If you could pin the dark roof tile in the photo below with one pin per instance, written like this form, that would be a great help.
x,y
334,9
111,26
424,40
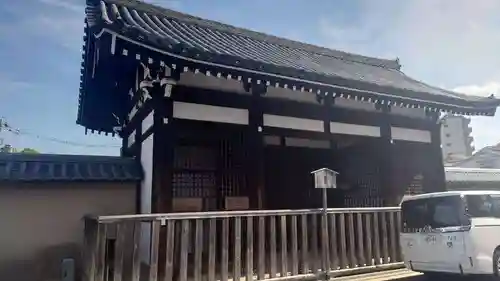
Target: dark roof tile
x,y
213,38
488,158
51,167
195,31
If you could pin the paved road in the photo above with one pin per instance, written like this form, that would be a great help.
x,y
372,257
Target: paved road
x,y
402,275
399,274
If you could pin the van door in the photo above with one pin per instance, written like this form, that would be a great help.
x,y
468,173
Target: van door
x,y
437,242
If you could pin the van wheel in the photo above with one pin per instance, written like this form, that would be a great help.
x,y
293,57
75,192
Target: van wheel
x,y
496,263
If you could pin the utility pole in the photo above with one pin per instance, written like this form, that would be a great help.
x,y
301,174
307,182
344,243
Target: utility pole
x,y
2,124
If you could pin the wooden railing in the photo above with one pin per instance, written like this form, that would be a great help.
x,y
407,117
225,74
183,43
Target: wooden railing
x,y
249,245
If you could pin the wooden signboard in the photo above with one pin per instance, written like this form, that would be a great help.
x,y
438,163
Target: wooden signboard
x,y
237,203
187,204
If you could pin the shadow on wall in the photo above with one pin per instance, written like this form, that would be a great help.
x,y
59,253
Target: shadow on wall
x,y
44,266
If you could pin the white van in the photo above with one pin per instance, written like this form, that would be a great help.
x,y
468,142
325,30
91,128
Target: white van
x,y
452,232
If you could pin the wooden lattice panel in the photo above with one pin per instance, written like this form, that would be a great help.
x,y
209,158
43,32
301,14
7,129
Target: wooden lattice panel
x,y
209,168
416,185
362,178
193,184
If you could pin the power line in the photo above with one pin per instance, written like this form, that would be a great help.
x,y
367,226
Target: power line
x,y
5,126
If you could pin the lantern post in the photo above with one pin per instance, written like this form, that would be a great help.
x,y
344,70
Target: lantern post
x,y
324,179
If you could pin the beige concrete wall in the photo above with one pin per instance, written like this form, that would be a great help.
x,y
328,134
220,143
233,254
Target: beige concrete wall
x,y
41,223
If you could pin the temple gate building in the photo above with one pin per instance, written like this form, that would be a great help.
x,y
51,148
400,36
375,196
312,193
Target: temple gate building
x,y
224,118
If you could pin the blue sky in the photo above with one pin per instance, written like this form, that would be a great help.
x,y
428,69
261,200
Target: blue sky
x,y
449,43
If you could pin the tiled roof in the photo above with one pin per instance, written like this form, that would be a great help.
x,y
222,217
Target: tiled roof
x,y
488,157
216,37
51,167
215,42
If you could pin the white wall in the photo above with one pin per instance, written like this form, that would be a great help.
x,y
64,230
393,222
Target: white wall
x,y
146,192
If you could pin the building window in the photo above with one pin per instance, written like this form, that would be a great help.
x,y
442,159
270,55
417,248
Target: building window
x,y
447,135
448,144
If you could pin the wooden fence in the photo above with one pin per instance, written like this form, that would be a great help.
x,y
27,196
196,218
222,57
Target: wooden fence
x,y
249,245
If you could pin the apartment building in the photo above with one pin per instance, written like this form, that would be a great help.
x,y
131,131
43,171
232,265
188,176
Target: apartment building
x,y
456,138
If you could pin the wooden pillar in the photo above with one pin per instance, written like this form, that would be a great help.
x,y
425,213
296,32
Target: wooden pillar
x,y
434,177
152,129
164,144
328,102
385,156
255,174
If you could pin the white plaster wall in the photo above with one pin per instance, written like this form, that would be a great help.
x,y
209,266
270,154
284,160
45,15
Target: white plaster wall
x,y
406,134
147,166
148,122
131,139
288,122
354,129
146,193
203,112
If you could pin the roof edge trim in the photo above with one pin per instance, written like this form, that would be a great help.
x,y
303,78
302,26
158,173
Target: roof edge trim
x,y
489,110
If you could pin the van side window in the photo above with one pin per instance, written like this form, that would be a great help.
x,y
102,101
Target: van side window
x,y
483,206
495,204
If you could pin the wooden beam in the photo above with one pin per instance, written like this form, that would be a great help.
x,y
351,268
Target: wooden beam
x,y
255,174
385,155
434,177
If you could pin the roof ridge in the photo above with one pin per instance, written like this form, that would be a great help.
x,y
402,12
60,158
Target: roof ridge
x,y
256,35
47,157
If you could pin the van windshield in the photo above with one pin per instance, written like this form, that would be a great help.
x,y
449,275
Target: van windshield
x,y
435,212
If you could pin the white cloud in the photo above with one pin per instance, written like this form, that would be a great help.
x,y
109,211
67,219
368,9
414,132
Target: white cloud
x,y
480,90
61,22
10,86
75,6
448,43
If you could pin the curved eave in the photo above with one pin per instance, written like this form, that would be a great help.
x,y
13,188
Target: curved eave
x,y
395,96
83,67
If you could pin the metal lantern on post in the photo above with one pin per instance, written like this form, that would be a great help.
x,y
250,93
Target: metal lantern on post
x,y
325,178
